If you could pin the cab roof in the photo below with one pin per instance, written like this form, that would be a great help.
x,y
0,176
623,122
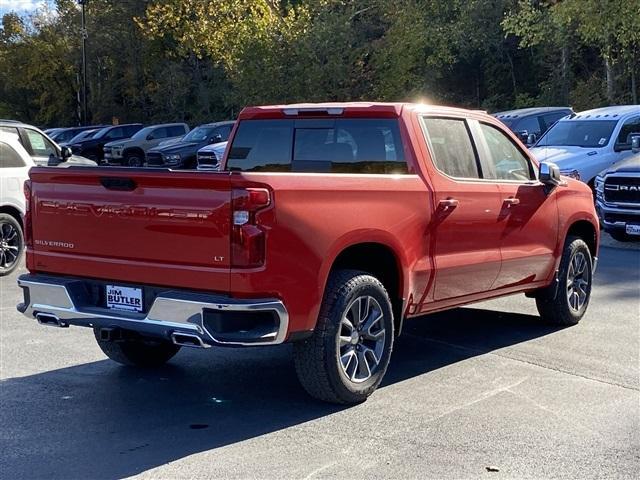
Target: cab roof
x,y
525,112
606,113
345,109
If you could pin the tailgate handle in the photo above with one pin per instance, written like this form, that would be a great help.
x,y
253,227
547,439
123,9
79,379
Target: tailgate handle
x,y
118,183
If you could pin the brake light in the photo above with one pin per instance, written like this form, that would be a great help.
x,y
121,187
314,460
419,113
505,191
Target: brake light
x,y
28,230
247,237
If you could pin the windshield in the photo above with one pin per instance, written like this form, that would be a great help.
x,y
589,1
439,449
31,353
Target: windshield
x,y
198,134
578,133
101,133
508,121
142,134
84,135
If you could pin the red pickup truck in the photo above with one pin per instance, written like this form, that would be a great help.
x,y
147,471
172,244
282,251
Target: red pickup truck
x,y
331,224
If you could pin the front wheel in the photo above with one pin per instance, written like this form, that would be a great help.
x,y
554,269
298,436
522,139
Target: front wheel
x,y
567,304
347,356
138,352
135,161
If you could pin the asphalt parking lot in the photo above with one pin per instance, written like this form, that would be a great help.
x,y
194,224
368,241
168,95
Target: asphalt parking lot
x,y
477,387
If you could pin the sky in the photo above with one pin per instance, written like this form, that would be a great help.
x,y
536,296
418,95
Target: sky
x,y
21,6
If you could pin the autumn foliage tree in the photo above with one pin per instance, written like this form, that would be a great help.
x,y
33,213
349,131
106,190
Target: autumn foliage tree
x,y
203,60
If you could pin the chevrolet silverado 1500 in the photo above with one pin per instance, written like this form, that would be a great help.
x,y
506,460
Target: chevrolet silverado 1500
x,y
331,225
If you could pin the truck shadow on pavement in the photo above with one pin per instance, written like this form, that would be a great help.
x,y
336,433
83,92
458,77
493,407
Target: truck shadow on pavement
x,y
100,420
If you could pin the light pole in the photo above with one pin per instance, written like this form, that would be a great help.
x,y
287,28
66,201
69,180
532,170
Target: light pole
x,y
83,29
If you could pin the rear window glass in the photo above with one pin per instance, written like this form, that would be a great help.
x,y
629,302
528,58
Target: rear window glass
x,y
321,146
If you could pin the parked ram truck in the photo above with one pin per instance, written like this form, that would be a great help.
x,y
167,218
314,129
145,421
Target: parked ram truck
x,y
331,225
618,199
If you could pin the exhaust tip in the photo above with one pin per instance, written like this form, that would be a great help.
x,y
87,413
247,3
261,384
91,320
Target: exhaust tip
x,y
50,319
188,340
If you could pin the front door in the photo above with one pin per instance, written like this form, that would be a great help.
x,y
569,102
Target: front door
x,y
464,233
39,147
528,214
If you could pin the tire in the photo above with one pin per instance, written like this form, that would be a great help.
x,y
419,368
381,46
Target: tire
x,y
567,304
11,244
332,365
135,160
140,352
620,236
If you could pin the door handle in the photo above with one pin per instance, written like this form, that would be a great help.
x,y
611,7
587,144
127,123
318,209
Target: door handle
x,y
511,201
448,203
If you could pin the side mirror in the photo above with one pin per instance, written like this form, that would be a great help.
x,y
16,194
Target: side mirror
x,y
531,139
635,144
216,139
151,136
549,174
65,152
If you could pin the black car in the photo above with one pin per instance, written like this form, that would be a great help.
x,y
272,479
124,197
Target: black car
x,y
182,154
92,148
63,135
530,123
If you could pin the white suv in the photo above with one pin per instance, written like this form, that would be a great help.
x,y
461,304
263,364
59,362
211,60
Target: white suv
x,y
15,163
591,141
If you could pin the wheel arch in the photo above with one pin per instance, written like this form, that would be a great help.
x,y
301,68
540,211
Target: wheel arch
x,y
586,230
14,212
133,150
380,260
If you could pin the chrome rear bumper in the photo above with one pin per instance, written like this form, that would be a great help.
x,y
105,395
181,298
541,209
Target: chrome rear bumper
x,y
65,301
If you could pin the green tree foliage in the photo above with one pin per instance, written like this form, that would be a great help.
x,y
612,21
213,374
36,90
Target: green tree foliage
x,y
203,60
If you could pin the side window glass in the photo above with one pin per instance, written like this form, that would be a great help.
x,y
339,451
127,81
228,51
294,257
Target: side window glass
x,y
131,130
451,147
9,158
552,118
115,133
630,128
40,145
529,125
160,133
176,131
505,161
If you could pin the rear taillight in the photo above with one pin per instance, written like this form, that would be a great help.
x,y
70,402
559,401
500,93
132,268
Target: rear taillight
x,y
247,238
28,231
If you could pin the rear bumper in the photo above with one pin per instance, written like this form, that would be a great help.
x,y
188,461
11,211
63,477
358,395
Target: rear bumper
x,y
63,301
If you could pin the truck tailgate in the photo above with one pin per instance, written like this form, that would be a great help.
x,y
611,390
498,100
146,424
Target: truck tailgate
x,y
150,227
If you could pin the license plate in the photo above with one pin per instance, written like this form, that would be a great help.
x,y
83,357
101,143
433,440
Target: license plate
x,y
633,229
124,298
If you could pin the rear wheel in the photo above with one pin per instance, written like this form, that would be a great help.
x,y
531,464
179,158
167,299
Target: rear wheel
x,y
347,356
138,352
567,304
11,244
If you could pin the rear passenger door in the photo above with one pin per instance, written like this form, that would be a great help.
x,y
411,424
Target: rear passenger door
x,y
13,173
528,226
465,231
